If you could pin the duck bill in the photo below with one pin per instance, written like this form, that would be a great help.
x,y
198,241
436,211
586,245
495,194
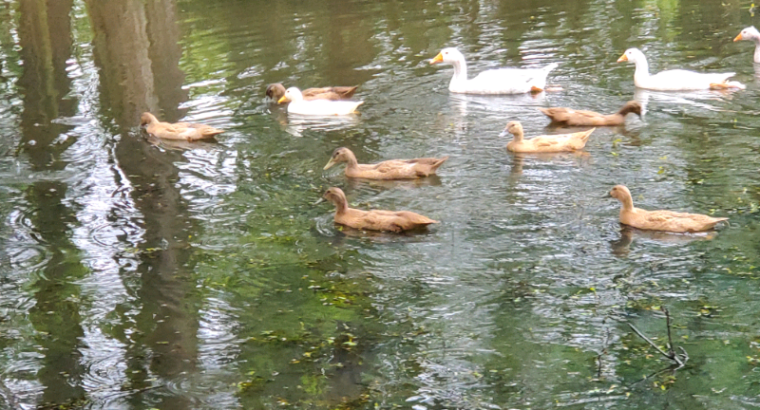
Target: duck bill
x,y
319,201
738,38
622,58
503,133
437,59
283,99
329,164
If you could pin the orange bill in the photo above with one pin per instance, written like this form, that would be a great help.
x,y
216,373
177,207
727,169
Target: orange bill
x,y
622,58
739,37
437,59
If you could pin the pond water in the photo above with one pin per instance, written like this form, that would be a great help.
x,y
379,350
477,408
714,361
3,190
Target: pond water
x,y
141,274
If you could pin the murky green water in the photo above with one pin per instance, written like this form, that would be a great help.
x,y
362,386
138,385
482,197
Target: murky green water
x,y
137,274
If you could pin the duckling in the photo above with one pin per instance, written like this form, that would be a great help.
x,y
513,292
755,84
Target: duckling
x,y
179,131
390,221
570,117
276,91
392,169
660,220
545,143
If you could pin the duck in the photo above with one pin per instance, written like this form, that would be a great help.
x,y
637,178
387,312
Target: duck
x,y
545,143
499,81
375,220
316,107
392,169
751,34
675,80
570,117
178,131
667,221
276,91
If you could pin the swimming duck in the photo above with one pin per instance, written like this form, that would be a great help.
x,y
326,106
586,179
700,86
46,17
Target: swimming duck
x,y
391,221
316,107
392,169
499,81
276,91
751,34
179,131
660,220
567,116
545,143
675,80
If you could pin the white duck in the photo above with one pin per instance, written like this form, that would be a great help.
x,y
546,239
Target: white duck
x,y
499,81
675,80
750,33
316,107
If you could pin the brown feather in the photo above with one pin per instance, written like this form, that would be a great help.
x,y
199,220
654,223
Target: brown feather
x,y
392,169
178,131
570,117
377,220
660,220
276,91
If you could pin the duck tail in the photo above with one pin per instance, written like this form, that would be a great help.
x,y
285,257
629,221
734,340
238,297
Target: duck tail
x,y
585,136
345,92
551,67
210,131
438,163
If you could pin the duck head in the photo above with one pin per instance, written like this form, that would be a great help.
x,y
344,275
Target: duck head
x,y
749,33
337,197
275,91
340,155
631,107
147,118
292,94
622,194
448,55
633,55
514,128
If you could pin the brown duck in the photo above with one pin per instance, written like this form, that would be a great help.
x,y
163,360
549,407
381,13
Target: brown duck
x,y
390,221
179,131
276,91
545,143
392,169
660,220
568,116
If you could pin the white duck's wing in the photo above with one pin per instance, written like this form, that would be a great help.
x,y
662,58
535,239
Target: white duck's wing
x,y
509,80
323,107
683,80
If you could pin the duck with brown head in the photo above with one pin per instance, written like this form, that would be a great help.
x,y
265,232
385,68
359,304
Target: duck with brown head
x,y
376,220
660,220
570,117
276,91
391,169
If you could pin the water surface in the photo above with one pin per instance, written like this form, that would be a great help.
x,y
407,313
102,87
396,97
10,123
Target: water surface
x,y
142,274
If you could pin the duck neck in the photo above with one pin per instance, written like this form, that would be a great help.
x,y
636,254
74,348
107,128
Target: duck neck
x,y
341,206
518,136
460,73
757,50
642,69
351,160
627,203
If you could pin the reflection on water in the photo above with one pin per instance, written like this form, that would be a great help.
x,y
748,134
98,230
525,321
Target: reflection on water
x,y
141,273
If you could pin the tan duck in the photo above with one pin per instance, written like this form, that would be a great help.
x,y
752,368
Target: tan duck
x,y
545,143
568,116
392,169
179,131
660,220
390,221
276,91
